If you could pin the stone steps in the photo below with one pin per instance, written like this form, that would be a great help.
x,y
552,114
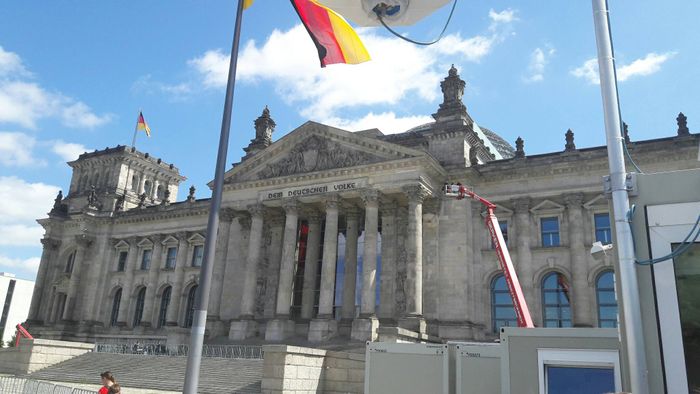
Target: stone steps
x,y
217,375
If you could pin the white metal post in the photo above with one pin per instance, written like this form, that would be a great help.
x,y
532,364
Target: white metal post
x,y
631,316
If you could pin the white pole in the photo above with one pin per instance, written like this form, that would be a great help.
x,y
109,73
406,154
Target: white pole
x,y
631,317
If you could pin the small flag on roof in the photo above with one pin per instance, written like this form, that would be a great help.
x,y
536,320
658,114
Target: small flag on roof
x,y
142,125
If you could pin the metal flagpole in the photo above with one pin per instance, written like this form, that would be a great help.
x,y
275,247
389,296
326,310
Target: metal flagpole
x,y
136,130
631,316
194,357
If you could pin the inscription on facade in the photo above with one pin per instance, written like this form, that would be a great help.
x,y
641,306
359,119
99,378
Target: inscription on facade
x,y
313,189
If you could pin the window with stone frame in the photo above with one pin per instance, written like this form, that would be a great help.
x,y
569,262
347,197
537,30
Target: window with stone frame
x,y
502,307
160,192
148,188
503,225
135,183
69,263
171,258
164,304
138,310
603,231
197,255
606,300
116,300
549,229
556,303
189,312
146,259
121,261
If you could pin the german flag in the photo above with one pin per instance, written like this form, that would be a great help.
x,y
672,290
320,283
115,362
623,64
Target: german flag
x,y
335,40
142,125
247,3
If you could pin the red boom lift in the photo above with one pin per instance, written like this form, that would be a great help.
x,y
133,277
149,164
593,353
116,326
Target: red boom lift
x,y
516,292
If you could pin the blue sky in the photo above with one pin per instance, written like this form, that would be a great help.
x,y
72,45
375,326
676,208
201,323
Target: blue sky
x,y
73,75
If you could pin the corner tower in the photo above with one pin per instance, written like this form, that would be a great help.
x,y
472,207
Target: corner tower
x,y
119,178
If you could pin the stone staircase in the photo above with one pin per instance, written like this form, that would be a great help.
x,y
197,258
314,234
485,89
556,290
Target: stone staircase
x,y
217,375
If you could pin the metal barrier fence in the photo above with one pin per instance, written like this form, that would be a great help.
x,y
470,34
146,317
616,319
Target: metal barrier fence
x,y
13,385
219,351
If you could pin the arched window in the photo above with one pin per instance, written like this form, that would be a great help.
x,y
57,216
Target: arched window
x,y
555,300
135,183
83,183
164,303
115,308
607,304
502,309
96,180
69,263
189,314
160,192
147,188
140,301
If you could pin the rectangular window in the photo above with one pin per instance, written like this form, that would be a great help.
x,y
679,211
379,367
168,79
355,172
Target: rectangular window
x,y
581,371
603,232
550,232
121,264
146,259
171,258
197,256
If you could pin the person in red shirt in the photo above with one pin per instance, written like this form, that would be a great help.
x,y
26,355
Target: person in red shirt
x,y
107,382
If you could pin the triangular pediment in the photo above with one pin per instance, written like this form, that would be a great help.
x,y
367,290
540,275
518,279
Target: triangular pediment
x,y
598,202
315,147
547,206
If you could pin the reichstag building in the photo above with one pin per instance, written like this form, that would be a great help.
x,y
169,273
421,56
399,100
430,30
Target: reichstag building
x,y
327,234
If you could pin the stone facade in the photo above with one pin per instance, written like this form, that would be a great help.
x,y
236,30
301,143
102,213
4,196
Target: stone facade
x,y
327,234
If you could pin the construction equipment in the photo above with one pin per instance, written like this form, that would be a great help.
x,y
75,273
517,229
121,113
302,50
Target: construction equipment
x,y
522,312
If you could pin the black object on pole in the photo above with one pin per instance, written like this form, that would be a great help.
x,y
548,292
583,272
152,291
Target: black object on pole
x,y
194,357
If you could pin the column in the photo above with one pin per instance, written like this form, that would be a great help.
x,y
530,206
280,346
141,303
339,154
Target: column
x,y
369,259
579,264
92,292
47,255
157,258
387,296
222,248
313,244
523,265
413,318
352,230
69,312
289,245
245,326
282,327
172,317
325,327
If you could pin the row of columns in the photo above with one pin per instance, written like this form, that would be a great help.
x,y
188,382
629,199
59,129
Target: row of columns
x,y
324,325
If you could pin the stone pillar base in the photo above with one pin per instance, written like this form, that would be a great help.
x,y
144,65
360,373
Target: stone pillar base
x,y
243,329
413,323
364,329
279,329
322,329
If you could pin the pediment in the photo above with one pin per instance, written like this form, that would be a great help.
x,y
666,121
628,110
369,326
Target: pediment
x,y
597,202
170,240
315,147
196,238
145,243
122,245
547,206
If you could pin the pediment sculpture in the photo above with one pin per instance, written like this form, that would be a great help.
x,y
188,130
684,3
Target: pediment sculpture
x,y
316,154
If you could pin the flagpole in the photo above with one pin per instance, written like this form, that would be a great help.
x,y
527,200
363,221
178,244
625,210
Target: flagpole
x,y
136,130
194,357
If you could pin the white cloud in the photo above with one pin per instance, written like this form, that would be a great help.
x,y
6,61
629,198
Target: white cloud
x,y
176,92
538,61
8,264
505,16
648,65
386,122
68,151
22,204
23,102
16,150
398,70
11,64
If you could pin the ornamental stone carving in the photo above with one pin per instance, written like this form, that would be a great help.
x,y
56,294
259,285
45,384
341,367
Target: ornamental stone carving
x,y
370,196
521,205
332,201
50,243
416,192
256,209
573,200
316,154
